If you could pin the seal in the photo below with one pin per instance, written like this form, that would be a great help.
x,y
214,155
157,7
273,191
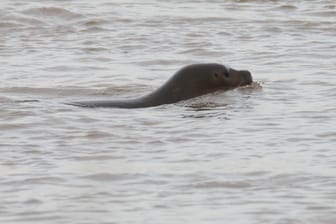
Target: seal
x,y
189,82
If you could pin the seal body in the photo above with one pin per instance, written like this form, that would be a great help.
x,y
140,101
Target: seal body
x,y
189,82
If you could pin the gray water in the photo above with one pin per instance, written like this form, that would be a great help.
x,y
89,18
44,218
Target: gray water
x,y
260,154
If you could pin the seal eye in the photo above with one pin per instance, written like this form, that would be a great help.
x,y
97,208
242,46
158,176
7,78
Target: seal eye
x,y
216,75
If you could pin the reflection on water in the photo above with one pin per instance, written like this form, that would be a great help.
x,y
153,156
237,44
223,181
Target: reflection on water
x,y
258,154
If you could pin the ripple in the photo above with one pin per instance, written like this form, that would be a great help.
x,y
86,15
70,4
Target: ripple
x,y
94,29
17,21
9,25
43,180
288,7
54,12
97,157
65,91
228,184
107,177
95,22
33,201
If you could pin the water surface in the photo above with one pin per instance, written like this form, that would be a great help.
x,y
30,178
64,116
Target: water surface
x,y
260,154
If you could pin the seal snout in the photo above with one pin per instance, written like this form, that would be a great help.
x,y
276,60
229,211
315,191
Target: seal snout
x,y
242,77
247,77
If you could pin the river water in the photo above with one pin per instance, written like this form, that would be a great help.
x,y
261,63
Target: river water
x,y
260,154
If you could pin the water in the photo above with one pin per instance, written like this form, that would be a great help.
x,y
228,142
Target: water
x,y
261,154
